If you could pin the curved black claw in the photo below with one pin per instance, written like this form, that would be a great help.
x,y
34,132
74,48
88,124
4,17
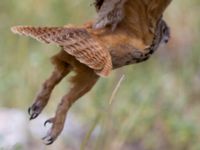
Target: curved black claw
x,y
50,121
35,110
48,140
33,116
29,110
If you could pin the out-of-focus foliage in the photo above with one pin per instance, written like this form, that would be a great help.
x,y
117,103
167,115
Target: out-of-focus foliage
x,y
158,104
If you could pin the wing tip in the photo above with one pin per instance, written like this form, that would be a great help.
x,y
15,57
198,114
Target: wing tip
x,y
18,29
14,29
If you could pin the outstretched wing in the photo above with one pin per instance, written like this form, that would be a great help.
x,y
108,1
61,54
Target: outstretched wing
x,y
75,41
110,12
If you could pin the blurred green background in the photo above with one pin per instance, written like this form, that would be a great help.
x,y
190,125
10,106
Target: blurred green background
x,y
157,106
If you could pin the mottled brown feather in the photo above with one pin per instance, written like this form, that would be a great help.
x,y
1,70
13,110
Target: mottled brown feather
x,y
76,42
110,12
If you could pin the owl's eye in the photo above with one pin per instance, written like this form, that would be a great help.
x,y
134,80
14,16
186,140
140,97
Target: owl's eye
x,y
164,30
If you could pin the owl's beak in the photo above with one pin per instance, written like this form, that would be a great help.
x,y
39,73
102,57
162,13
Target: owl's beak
x,y
166,41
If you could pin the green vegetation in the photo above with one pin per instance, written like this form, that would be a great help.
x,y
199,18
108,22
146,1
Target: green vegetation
x,y
157,106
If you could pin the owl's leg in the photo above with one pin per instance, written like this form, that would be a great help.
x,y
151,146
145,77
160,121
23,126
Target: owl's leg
x,y
82,83
60,71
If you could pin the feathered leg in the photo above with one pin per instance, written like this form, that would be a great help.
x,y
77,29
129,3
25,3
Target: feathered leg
x,y
60,71
82,82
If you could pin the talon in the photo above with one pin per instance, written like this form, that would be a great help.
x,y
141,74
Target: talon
x,y
48,140
48,121
54,130
33,116
29,110
35,110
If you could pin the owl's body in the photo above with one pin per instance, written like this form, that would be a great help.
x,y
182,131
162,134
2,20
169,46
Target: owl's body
x,y
125,32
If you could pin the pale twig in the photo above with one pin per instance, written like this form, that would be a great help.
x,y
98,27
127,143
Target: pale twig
x,y
116,89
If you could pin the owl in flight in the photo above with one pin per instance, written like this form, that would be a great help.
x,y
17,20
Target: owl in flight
x,y
125,32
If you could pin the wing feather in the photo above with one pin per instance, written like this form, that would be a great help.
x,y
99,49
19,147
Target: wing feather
x,y
98,4
110,12
75,41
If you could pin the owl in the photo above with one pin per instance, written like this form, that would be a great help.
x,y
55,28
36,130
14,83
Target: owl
x,y
124,32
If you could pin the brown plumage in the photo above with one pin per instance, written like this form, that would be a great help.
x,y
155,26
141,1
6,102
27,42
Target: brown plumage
x,y
76,42
110,12
125,32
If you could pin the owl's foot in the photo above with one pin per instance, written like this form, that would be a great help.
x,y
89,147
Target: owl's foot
x,y
42,98
36,108
55,130
83,81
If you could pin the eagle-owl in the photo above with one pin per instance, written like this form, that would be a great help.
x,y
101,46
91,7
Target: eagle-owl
x,y
125,32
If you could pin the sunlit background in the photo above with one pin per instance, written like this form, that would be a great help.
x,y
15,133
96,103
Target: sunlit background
x,y
157,106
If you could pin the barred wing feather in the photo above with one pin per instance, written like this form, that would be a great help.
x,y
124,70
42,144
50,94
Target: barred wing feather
x,y
75,41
